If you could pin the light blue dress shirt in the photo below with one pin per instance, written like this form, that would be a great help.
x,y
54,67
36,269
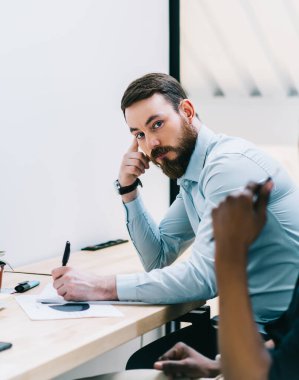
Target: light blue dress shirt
x,y
219,166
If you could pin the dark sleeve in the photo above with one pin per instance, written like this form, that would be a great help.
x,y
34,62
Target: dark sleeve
x,y
285,359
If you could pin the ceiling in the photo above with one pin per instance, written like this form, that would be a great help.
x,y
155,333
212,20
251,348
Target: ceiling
x,y
240,48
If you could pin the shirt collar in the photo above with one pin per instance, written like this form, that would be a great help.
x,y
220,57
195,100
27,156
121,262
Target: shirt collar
x,y
198,157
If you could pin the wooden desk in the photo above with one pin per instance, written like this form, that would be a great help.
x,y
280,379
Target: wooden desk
x,y
117,259
45,349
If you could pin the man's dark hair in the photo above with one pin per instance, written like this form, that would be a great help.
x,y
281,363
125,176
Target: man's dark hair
x,y
150,84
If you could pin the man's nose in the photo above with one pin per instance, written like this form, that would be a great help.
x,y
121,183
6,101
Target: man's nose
x,y
152,142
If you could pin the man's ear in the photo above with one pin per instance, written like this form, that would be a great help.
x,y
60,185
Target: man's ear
x,y
187,108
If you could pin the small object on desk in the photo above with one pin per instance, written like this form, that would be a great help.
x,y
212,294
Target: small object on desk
x,y
5,346
26,285
66,254
107,244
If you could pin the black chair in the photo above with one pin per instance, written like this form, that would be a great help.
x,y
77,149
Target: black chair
x,y
200,334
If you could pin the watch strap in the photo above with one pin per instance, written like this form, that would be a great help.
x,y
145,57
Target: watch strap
x,y
127,189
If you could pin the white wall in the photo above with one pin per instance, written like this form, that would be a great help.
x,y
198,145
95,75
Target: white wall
x,y
64,65
262,121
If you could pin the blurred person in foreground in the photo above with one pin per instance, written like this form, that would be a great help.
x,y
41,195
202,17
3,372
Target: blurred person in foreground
x,y
237,222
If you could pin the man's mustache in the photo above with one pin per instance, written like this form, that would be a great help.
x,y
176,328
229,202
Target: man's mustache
x,y
156,152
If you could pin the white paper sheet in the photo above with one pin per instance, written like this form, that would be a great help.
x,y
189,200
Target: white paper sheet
x,y
38,311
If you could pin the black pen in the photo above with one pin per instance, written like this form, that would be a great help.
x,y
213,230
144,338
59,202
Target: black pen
x,y
66,254
26,285
259,188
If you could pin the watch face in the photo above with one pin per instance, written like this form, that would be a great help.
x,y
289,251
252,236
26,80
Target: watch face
x,y
117,186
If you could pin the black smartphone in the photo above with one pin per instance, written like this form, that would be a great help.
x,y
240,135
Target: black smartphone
x,y
4,346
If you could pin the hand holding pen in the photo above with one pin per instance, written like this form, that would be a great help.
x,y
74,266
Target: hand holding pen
x,y
255,189
239,218
65,259
74,285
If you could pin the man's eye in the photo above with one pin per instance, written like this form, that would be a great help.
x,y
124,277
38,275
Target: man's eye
x,y
158,124
139,136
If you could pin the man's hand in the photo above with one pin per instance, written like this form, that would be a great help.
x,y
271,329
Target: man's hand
x,y
238,220
73,285
134,164
182,360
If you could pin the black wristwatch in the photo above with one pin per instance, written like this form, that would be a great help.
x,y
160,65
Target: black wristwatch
x,y
126,189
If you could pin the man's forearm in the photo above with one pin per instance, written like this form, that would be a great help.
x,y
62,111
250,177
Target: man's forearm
x,y
126,198
243,355
183,282
144,233
155,250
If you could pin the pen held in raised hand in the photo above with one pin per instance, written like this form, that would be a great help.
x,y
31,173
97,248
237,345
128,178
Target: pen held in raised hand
x,y
256,190
66,254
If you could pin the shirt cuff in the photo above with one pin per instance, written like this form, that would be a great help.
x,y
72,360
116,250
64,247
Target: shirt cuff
x,y
126,285
134,208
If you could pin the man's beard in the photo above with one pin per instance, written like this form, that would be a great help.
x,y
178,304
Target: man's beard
x,y
177,167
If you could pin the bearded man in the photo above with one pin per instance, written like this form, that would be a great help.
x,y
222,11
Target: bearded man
x,y
167,131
